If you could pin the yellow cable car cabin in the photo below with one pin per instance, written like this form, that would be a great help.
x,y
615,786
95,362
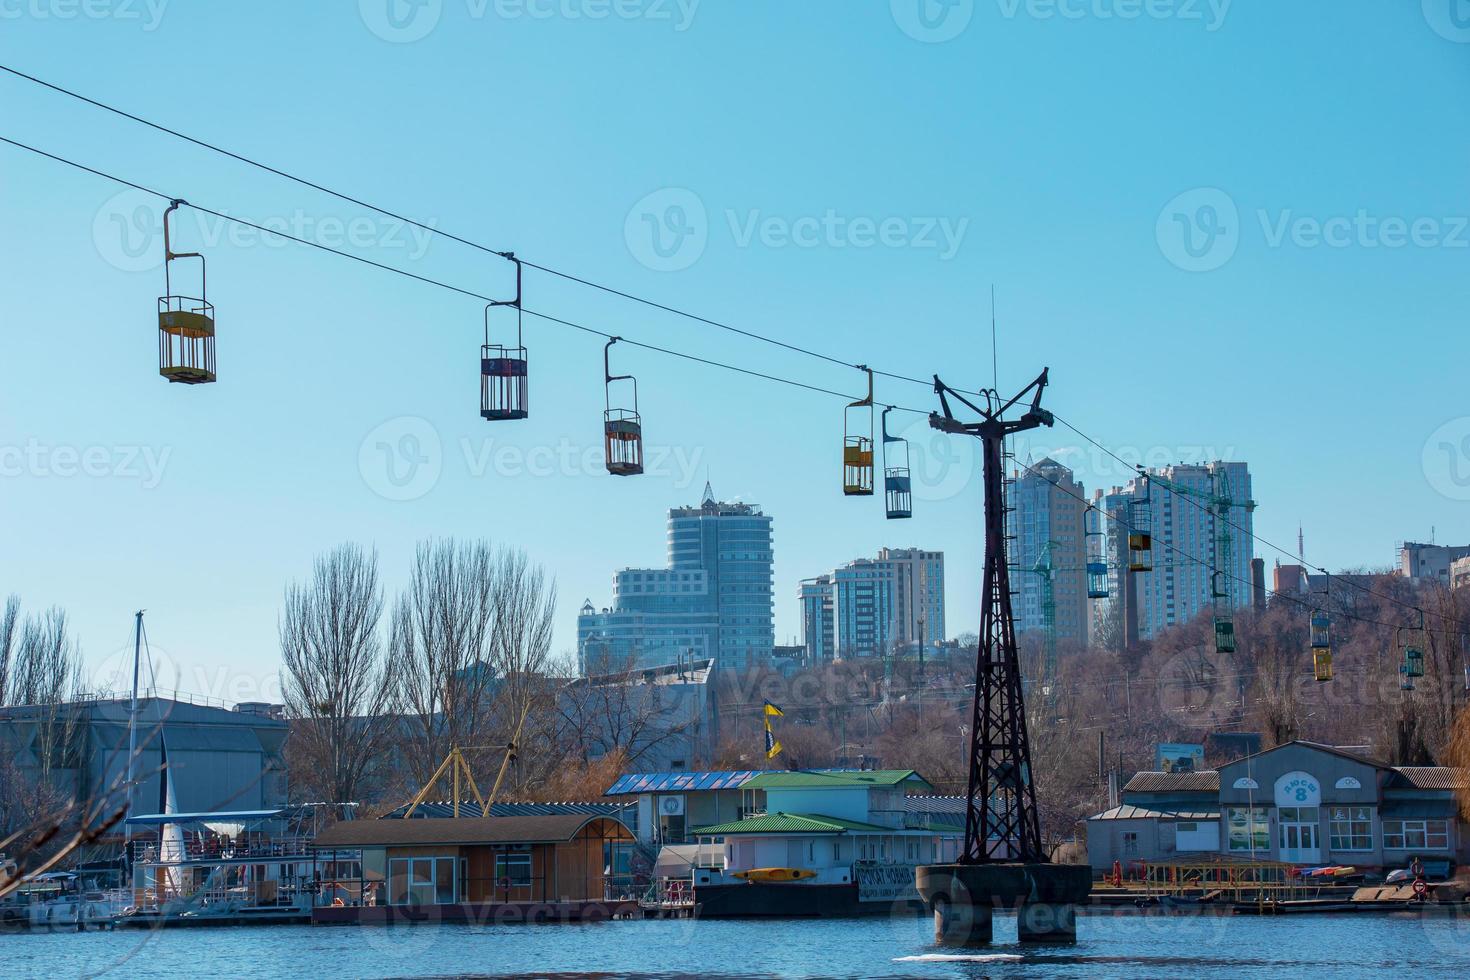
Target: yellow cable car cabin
x,y
1320,632
857,445
1322,664
185,323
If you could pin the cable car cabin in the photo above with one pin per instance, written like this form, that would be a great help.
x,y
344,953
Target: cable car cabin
x,y
1224,636
623,442
1413,662
857,445
503,372
898,497
1406,680
1097,580
186,340
502,383
857,466
1321,626
1140,535
622,428
1322,664
185,323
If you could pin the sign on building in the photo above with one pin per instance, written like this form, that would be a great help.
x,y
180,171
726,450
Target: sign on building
x,y
885,882
1179,757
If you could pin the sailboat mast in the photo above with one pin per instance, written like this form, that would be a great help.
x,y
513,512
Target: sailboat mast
x,y
133,709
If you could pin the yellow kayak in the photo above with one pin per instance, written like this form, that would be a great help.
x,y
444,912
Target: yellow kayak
x,y
775,874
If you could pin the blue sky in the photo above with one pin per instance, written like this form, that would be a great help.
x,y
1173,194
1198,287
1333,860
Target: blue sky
x,y
1232,229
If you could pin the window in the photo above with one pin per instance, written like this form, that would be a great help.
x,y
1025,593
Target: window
x,y
1186,828
1350,828
1248,829
1130,842
514,869
421,881
1405,835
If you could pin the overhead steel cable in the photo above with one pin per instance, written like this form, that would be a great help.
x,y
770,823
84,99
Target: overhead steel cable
x,y
582,327
429,280
1194,559
1251,533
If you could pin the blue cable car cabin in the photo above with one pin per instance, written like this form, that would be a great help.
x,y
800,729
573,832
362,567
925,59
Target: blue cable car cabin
x,y
1097,580
898,497
185,323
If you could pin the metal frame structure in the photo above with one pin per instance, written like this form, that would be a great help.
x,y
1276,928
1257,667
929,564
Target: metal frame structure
x,y
622,428
503,369
898,487
1001,821
185,323
857,448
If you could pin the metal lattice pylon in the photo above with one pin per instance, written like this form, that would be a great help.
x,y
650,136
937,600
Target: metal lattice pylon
x,y
1001,822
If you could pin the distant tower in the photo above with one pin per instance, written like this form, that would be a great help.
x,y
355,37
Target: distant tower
x,y
1301,546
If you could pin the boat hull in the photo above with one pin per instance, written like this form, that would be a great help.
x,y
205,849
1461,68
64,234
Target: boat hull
x,y
763,900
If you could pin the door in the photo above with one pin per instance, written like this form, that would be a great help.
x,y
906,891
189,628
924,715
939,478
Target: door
x,y
1299,835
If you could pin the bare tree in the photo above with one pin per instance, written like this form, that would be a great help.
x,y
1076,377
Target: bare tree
x,y
338,682
614,710
523,697
441,633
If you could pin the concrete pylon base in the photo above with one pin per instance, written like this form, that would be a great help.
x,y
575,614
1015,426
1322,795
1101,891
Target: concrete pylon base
x,y
962,924
964,897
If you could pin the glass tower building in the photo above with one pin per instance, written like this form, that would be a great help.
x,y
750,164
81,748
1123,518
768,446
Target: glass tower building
x,y
714,600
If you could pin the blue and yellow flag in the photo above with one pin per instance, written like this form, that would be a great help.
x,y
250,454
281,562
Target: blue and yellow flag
x,y
773,747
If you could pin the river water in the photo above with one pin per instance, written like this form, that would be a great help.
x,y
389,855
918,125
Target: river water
x,y
1124,946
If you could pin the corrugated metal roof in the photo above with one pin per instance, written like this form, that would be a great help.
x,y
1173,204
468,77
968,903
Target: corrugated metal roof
x,y
1202,781
1127,812
936,804
1435,777
851,779
444,809
481,830
788,823
679,782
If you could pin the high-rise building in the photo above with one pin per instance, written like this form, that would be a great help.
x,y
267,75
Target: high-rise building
x,y
714,600
1201,520
818,622
1047,549
872,607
